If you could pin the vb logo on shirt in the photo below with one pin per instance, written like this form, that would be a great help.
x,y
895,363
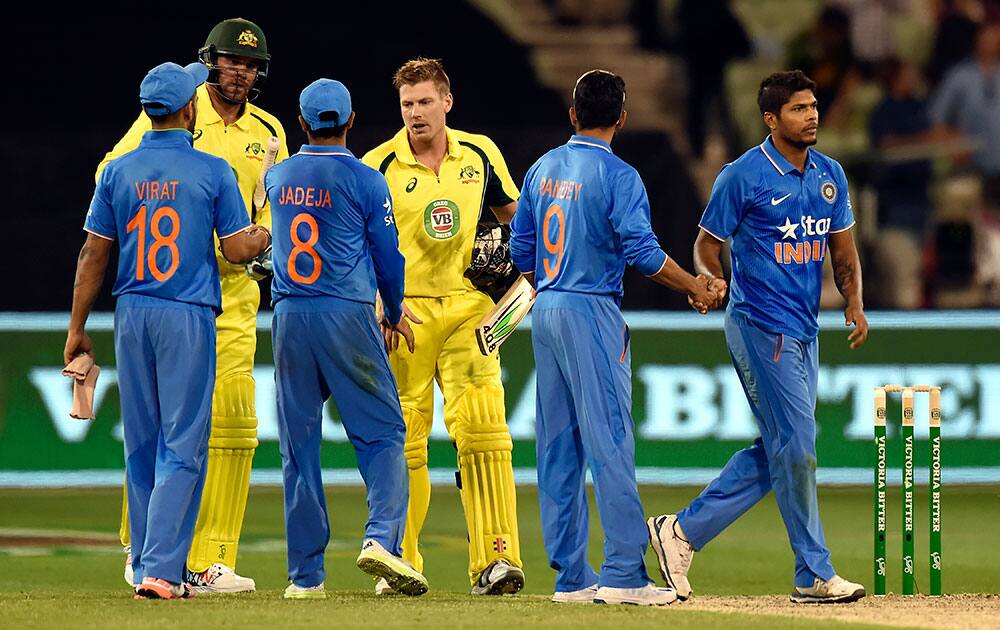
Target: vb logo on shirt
x,y
441,219
791,250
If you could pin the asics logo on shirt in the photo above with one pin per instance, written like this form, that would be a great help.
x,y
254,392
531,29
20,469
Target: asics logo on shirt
x,y
776,200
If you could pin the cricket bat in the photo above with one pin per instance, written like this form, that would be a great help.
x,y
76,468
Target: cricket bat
x,y
260,194
505,316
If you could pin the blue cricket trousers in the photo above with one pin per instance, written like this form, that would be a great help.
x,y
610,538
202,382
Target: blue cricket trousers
x,y
327,347
165,354
584,420
779,376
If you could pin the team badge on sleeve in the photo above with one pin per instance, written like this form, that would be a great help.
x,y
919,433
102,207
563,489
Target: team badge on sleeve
x,y
829,192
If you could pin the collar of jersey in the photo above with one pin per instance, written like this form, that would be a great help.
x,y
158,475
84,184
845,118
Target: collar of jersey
x,y
168,137
590,142
401,145
778,160
321,149
207,114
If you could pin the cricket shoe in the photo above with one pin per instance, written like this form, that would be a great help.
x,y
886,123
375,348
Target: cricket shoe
x,y
219,578
397,572
499,578
128,566
582,596
305,592
649,595
155,588
836,590
673,552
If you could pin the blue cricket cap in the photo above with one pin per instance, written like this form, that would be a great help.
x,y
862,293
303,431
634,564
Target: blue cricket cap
x,y
325,103
168,87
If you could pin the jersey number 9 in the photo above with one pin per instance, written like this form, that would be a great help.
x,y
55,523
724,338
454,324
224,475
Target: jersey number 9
x,y
169,241
554,248
304,247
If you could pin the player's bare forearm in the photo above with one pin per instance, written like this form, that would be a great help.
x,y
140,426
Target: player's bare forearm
x,y
530,277
847,275
244,246
505,214
846,266
708,255
90,268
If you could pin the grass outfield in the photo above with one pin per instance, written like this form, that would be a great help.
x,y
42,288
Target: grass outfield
x,y
59,566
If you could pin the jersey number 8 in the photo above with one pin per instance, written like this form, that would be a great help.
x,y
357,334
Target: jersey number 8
x,y
304,247
169,241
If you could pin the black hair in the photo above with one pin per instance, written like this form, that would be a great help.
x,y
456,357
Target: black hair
x,y
777,89
599,98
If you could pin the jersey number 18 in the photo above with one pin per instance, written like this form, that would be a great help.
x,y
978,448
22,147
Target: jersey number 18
x,y
138,223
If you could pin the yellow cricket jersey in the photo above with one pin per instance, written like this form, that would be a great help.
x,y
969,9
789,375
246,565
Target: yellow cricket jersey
x,y
437,214
242,144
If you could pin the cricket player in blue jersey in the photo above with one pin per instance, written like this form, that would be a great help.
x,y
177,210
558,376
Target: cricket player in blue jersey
x,y
162,202
335,244
781,206
583,214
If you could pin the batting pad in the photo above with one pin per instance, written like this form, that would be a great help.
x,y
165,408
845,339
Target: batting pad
x,y
418,428
486,477
230,453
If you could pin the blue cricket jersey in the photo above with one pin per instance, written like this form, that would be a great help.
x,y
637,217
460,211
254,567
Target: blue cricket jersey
x,y
161,202
583,213
334,231
778,220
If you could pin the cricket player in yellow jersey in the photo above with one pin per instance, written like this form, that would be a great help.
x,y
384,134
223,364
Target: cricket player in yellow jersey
x,y
441,181
229,126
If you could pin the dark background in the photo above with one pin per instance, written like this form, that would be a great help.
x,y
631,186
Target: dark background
x,y
72,92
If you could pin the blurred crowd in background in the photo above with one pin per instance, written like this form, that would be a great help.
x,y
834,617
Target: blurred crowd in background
x,y
909,96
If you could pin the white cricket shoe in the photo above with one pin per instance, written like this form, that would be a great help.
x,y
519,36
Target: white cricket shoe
x,y
305,592
836,590
673,552
398,574
382,588
499,578
219,578
582,596
128,566
648,595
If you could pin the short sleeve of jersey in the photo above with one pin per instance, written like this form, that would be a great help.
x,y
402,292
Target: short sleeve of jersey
x,y
230,212
500,188
101,216
727,204
842,217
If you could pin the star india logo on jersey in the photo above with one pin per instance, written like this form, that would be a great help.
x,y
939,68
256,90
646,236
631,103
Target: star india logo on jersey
x,y
441,219
792,250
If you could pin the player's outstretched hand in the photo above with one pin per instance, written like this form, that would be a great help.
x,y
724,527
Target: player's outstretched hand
x,y
855,314
77,343
392,332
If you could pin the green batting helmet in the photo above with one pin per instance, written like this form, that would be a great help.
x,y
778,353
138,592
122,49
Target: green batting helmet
x,y
240,37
